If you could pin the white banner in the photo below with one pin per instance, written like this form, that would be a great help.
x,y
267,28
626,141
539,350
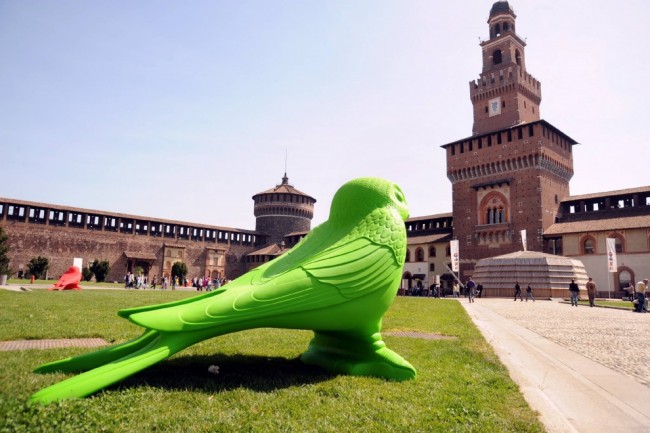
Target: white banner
x,y
78,262
523,239
455,257
611,255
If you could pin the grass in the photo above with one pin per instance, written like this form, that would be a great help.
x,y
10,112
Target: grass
x,y
262,386
106,284
613,303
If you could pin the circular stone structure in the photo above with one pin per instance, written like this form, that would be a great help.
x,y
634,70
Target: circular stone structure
x,y
548,275
282,210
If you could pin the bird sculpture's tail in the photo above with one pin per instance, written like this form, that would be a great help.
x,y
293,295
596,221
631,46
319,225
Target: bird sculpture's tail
x,y
110,365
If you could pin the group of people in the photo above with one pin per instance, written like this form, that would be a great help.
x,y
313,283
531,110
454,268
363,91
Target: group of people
x,y
207,284
529,292
132,281
138,281
637,295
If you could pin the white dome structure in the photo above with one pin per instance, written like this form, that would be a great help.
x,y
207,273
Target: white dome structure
x,y
548,275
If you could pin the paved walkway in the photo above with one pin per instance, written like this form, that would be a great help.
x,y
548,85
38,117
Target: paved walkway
x,y
583,369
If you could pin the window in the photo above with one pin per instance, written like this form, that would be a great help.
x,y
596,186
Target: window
x,y
432,267
624,280
419,255
588,246
408,255
432,252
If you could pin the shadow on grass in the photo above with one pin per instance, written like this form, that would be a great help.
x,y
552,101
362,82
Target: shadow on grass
x,y
256,373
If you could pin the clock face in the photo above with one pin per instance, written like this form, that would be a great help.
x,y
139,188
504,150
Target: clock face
x,y
494,107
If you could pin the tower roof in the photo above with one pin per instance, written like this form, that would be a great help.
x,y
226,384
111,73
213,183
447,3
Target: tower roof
x,y
286,188
501,7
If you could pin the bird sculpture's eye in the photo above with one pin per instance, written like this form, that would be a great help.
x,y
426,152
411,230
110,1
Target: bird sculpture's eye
x,y
399,195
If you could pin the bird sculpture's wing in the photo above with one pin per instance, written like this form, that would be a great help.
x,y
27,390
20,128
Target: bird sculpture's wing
x,y
334,276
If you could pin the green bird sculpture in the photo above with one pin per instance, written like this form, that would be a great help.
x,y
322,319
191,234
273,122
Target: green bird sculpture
x,y
338,281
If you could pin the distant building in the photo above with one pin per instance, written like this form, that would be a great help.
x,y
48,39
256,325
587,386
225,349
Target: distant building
x,y
128,242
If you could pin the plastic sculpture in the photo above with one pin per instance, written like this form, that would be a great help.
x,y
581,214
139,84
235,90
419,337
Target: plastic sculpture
x,y
69,280
338,281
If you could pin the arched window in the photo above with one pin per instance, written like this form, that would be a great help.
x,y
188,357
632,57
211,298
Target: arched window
x,y
432,252
419,255
506,27
493,209
497,57
588,245
624,279
518,57
408,255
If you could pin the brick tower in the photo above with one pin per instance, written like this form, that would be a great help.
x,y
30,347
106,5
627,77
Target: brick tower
x,y
511,174
282,210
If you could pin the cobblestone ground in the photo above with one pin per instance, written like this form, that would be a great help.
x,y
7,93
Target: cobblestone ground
x,y
608,336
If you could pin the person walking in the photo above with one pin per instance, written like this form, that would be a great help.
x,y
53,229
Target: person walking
x,y
591,292
456,290
529,293
575,291
641,288
518,292
471,286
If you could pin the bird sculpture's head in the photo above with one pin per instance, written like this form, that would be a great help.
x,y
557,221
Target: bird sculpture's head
x,y
359,197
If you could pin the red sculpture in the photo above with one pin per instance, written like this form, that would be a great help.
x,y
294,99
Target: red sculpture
x,y
69,280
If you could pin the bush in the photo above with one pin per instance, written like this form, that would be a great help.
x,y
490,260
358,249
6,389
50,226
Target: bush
x,y
179,269
38,267
86,274
100,270
4,249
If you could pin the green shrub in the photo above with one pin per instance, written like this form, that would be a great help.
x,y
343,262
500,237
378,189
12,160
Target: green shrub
x,y
100,269
38,267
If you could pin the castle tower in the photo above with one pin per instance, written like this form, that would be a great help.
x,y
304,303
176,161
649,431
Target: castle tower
x,y
505,94
282,210
512,172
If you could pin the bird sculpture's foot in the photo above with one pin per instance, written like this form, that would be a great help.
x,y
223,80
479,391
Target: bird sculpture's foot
x,y
369,356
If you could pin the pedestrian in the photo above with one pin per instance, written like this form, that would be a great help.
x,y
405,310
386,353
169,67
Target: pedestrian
x,y
529,293
518,292
641,288
471,286
479,289
591,292
575,293
456,290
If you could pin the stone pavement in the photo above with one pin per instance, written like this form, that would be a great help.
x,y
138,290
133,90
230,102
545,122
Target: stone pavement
x,y
583,369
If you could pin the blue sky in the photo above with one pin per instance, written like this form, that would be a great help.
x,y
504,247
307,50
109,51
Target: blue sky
x,y
184,110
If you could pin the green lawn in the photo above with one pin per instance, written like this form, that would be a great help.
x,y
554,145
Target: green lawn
x,y
615,303
261,386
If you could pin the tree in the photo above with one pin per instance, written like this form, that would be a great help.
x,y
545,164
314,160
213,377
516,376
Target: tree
x,y
4,249
100,269
86,274
38,266
179,269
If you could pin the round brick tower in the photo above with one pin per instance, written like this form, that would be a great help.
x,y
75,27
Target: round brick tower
x,y
283,210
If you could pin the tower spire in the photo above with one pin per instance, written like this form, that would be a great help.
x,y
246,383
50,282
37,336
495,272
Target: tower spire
x,y
285,179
